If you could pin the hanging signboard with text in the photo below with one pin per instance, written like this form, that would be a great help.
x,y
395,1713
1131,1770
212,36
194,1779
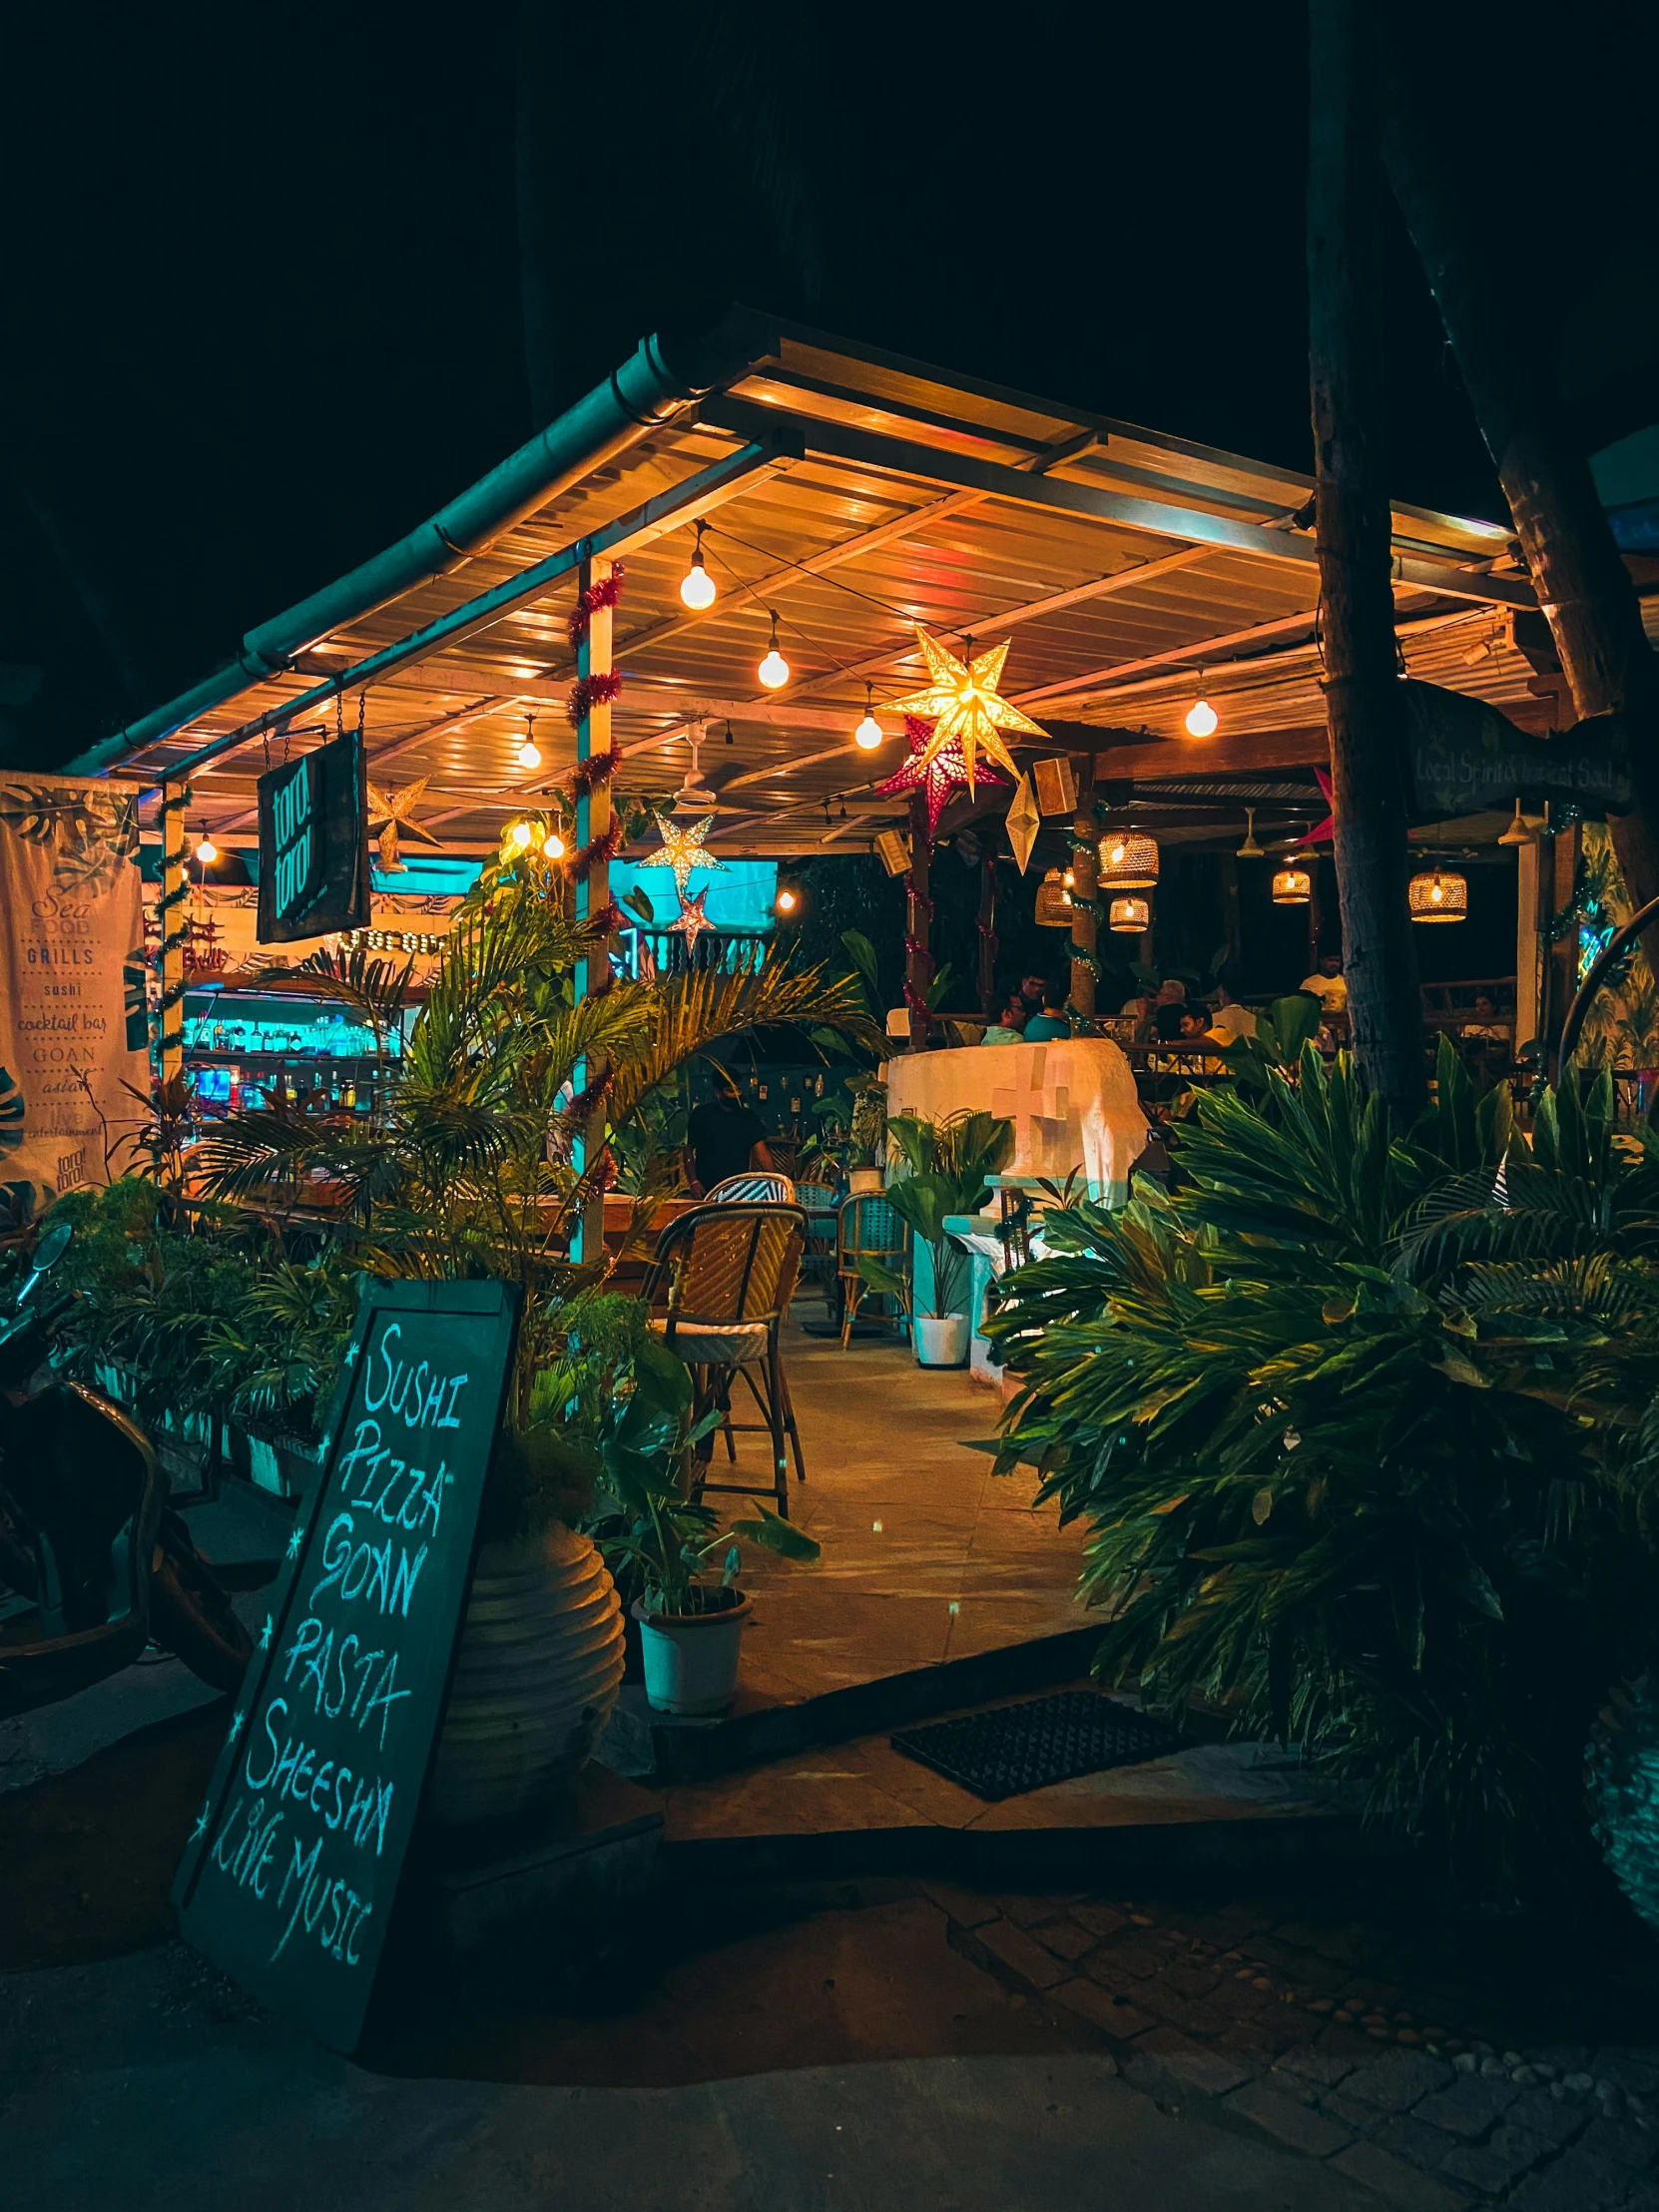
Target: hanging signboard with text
x,y
1467,756
289,1879
74,1044
314,843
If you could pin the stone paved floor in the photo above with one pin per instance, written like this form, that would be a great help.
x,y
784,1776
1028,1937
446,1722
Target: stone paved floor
x,y
1436,2064
928,1554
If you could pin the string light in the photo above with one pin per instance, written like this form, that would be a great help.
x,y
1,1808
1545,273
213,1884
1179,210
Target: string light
x,y
553,845
786,902
696,586
207,851
530,752
521,833
774,671
868,733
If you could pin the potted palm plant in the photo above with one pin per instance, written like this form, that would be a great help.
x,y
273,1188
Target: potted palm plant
x,y
691,1609
948,1166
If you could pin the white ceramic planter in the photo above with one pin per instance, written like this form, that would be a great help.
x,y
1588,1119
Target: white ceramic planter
x,y
538,1673
692,1659
941,1340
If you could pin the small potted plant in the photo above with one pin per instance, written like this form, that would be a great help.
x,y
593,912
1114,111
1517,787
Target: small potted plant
x,y
949,1169
867,1136
691,1617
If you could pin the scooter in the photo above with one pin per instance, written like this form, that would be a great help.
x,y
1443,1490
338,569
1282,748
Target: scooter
x,y
93,1563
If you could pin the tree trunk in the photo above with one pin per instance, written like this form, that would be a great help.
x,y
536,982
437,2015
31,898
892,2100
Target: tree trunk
x,y
1582,583
535,156
1362,702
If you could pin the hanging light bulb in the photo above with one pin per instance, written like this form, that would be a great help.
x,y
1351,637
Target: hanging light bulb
x,y
868,733
522,835
207,851
553,845
1201,716
696,586
774,671
786,902
530,752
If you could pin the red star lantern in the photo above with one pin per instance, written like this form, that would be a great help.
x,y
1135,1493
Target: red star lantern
x,y
692,921
939,775
1323,833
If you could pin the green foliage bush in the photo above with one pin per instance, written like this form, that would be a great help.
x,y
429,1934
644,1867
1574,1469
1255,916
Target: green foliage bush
x,y
1366,1430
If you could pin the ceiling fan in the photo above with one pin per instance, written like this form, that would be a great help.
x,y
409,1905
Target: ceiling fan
x,y
693,795
1250,849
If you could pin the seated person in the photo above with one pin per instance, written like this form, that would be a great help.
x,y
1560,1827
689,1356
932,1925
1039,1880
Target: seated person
x,y
1486,1022
1009,1025
1327,984
1053,1021
723,1136
1230,1020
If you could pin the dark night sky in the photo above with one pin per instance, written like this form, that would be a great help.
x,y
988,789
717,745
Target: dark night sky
x,y
263,303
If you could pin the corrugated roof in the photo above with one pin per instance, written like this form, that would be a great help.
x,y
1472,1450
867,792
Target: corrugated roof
x,y
866,494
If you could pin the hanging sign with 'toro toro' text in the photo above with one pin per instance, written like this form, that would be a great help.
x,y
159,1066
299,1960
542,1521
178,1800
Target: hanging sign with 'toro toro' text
x,y
314,843
289,1879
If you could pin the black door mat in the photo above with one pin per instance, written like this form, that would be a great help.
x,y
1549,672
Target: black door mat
x,y
1015,1747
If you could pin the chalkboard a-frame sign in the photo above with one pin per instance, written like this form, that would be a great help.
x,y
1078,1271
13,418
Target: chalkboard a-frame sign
x,y
289,1876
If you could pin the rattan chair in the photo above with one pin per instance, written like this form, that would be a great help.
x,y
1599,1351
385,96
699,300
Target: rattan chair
x,y
729,1271
819,1202
757,1186
868,1226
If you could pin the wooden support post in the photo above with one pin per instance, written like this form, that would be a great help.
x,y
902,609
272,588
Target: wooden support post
x,y
174,934
986,924
593,892
919,925
1362,702
1085,893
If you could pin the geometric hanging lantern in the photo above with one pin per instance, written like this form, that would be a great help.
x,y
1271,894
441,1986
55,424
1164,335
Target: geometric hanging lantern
x,y
1130,916
1439,895
1053,909
1292,887
1128,861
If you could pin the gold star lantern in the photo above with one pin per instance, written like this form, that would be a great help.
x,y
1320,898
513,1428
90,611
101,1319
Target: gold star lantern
x,y
391,810
684,848
965,706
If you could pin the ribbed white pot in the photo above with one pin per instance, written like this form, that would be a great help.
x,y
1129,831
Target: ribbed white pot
x,y
941,1340
538,1673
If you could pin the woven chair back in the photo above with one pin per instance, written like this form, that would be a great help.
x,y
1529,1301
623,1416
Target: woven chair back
x,y
736,1263
757,1188
870,1225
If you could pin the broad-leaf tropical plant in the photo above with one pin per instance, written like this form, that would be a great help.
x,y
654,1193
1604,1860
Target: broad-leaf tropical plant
x,y
1364,1433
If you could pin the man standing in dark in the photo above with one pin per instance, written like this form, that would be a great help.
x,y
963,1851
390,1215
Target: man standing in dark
x,y
723,1136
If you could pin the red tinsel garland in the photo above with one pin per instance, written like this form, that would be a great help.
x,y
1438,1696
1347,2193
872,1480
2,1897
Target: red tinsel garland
x,y
604,846
608,920
589,692
587,775
605,593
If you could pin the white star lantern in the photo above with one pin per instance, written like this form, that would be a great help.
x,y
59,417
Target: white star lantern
x,y
684,848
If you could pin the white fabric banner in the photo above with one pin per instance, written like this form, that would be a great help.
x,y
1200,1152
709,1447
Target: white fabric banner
x,y
72,984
